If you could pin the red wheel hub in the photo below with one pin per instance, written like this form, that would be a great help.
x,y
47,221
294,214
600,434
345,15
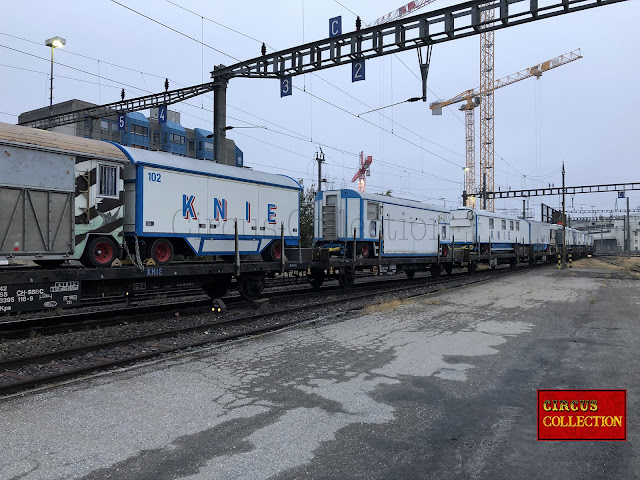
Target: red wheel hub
x,y
103,252
162,252
276,251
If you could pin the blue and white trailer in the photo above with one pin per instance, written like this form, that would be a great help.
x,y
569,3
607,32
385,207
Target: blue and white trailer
x,y
479,229
191,206
409,228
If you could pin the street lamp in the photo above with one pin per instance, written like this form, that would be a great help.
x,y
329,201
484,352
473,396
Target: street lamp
x,y
464,191
55,42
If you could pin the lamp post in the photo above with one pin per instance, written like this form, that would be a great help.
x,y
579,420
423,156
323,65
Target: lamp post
x,y
464,191
55,42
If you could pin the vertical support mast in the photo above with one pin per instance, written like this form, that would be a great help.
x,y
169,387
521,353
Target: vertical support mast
x,y
470,150
220,121
486,101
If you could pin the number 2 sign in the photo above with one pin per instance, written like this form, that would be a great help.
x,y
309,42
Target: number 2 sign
x,y
357,70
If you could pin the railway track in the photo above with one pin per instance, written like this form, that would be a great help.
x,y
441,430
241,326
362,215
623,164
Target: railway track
x,y
20,374
612,260
83,320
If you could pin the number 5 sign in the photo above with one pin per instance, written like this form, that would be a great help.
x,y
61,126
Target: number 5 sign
x,y
285,86
357,70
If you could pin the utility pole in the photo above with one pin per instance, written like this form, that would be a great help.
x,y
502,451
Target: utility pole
x,y
564,223
628,230
524,209
484,189
320,160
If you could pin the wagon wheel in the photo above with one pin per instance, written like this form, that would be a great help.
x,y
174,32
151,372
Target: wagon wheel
x,y
448,267
410,274
347,278
217,288
99,252
161,251
250,287
435,270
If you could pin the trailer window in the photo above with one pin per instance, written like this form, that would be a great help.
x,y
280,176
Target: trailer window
x,y
517,226
372,211
510,224
108,181
504,224
491,223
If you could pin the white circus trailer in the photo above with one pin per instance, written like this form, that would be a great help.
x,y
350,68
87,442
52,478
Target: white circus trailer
x,y
480,228
540,235
410,228
192,206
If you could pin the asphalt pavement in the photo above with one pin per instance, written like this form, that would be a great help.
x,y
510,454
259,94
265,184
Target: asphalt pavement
x,y
442,386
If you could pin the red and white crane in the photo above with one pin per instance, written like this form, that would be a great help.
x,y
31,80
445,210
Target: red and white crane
x,y
403,11
363,172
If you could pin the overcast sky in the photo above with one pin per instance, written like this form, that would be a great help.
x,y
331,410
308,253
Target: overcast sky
x,y
584,113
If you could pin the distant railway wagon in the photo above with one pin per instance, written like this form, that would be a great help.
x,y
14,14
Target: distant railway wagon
x,y
407,227
192,207
60,197
482,230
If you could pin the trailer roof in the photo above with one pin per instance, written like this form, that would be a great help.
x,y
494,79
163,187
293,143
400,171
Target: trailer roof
x,y
205,167
58,142
347,192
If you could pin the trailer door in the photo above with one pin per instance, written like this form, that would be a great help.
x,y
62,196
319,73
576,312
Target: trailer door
x,y
329,218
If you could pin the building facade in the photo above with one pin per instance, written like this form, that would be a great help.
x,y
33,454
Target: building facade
x,y
140,132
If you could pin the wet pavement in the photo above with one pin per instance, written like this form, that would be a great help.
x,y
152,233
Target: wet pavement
x,y
443,386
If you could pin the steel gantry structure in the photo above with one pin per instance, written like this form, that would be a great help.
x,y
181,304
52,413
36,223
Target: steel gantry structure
x,y
422,30
472,99
537,192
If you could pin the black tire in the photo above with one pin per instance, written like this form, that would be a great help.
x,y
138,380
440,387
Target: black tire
x,y
364,249
99,252
161,251
273,252
48,263
410,274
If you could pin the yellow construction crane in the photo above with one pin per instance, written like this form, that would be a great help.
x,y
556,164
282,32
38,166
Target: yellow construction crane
x,y
472,99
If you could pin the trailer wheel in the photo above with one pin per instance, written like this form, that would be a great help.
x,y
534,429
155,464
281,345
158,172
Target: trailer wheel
x,y
364,249
99,252
250,287
161,251
273,253
435,270
347,278
448,267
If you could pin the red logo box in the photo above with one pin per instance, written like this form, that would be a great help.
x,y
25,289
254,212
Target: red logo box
x,y
582,414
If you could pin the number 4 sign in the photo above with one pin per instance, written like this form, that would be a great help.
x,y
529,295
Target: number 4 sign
x,y
357,70
285,86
